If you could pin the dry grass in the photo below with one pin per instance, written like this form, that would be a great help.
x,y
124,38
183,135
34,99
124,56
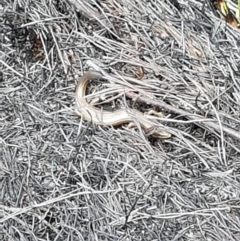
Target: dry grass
x,y
63,178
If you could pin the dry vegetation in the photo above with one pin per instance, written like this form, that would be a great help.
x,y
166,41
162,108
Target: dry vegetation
x,y
63,178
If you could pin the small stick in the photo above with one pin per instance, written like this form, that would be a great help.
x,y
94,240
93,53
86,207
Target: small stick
x,y
172,109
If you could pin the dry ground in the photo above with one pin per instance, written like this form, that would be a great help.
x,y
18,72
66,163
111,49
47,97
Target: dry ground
x,y
63,178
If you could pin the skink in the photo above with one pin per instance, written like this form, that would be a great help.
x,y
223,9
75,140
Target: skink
x,y
115,118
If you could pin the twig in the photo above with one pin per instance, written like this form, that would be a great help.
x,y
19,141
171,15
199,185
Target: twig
x,y
172,109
